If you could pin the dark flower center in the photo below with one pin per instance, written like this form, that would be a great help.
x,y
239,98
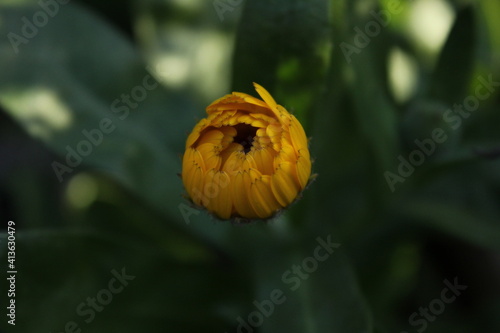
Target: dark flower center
x,y
245,135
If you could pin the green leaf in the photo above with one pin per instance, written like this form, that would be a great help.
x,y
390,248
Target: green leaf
x,y
375,113
451,77
65,270
285,46
96,104
365,74
463,223
303,282
319,293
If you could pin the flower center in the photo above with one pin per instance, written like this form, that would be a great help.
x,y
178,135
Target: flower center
x,y
245,135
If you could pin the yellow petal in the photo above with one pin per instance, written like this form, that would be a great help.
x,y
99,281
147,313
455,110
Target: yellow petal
x,y
303,168
240,188
283,184
264,141
228,131
259,123
274,133
192,174
196,192
217,191
210,155
284,116
297,135
234,163
249,162
246,119
264,117
188,166
261,196
195,187
221,117
222,203
195,133
213,161
198,159
287,153
212,136
239,101
233,120
223,103
264,160
210,190
229,134
261,132
250,99
266,96
206,148
232,147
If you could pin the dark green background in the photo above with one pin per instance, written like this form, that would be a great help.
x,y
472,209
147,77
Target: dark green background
x,y
123,206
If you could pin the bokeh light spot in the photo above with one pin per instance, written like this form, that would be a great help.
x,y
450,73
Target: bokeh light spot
x,y
82,190
402,75
42,110
430,22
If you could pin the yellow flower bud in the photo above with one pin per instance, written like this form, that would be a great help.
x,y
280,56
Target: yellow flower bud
x,y
247,159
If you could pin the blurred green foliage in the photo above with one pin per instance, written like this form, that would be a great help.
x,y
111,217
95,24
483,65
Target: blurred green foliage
x,y
371,81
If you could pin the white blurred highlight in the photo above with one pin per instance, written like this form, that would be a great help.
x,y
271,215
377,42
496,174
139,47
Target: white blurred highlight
x,y
41,109
81,191
430,22
402,75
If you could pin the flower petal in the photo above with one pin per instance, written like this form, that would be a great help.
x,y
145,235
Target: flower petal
x,y
261,196
217,192
229,134
234,162
251,100
284,116
274,131
223,203
297,135
303,168
221,117
264,160
192,176
240,188
287,153
213,136
283,184
245,119
249,162
239,101
210,190
259,123
266,96
195,133
261,116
